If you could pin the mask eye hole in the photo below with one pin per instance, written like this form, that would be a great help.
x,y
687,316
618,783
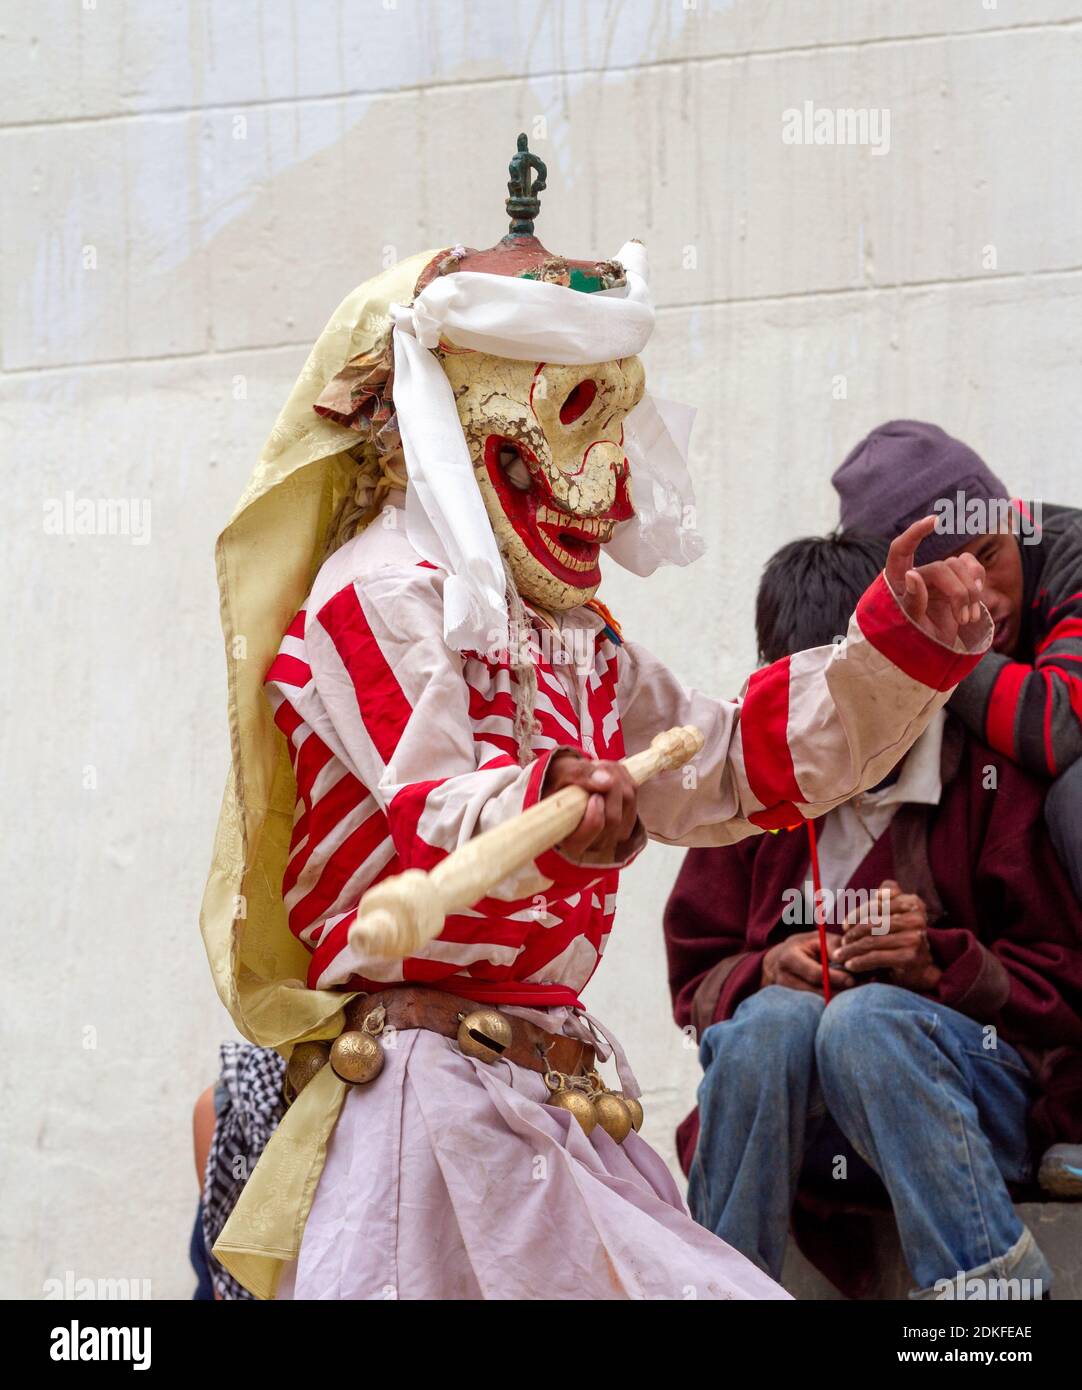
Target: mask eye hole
x,y
578,402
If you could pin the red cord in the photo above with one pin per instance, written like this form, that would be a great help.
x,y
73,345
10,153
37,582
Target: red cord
x,y
817,895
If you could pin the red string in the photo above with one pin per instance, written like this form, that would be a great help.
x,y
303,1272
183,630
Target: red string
x,y
817,897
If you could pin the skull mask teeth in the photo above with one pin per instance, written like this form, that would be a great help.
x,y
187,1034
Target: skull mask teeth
x,y
547,444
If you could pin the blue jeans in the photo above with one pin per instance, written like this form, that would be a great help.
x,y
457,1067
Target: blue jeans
x,y
912,1087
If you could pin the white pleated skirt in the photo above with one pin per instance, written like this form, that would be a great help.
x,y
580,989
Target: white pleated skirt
x,y
447,1178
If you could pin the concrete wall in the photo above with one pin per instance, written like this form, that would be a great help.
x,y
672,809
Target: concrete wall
x,y
190,188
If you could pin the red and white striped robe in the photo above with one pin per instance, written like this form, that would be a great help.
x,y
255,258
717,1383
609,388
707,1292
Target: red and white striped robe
x,y
404,749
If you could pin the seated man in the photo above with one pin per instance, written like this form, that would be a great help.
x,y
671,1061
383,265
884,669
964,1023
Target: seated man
x,y
955,973
1025,697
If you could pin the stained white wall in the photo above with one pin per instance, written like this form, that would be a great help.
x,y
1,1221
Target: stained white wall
x,y
190,188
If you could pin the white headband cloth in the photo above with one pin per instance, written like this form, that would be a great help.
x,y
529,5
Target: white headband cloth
x,y
530,321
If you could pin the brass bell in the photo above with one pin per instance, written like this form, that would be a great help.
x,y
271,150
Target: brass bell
x,y
577,1104
613,1115
356,1057
636,1113
484,1034
306,1059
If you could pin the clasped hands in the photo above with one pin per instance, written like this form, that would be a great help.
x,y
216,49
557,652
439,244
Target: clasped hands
x,y
892,938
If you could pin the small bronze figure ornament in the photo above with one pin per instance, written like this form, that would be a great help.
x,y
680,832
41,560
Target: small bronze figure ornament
x,y
484,1034
524,205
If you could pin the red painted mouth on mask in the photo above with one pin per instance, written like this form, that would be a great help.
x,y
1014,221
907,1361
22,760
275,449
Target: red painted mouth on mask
x,y
568,546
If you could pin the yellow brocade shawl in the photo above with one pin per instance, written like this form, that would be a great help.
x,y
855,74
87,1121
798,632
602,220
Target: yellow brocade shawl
x,y
266,560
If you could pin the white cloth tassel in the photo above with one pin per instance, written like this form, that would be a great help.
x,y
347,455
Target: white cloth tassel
x,y
662,531
446,521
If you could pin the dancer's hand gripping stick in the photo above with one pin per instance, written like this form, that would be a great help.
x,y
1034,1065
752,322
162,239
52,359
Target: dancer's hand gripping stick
x,y
397,917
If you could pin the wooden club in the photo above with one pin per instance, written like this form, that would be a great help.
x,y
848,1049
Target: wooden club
x,y
400,915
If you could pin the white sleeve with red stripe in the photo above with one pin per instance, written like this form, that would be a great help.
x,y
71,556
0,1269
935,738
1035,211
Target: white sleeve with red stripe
x,y
807,732
393,702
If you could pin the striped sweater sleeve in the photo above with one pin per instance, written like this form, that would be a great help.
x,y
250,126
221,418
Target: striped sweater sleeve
x,y
1032,712
807,732
394,705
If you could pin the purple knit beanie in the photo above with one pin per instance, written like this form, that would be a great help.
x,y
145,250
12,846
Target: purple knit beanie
x,y
907,469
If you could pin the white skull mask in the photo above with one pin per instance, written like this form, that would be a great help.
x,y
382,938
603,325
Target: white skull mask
x,y
547,444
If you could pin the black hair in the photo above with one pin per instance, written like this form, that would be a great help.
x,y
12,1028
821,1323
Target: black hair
x,y
809,589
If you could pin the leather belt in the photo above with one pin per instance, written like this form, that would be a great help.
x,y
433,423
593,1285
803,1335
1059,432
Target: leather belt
x,y
414,1006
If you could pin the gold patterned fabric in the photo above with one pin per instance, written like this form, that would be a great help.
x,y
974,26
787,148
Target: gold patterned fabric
x,y
267,557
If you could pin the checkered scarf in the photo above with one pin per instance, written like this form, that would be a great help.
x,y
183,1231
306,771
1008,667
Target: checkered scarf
x,y
248,1104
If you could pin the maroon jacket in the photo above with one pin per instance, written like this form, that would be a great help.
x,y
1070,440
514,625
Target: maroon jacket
x,y
1005,927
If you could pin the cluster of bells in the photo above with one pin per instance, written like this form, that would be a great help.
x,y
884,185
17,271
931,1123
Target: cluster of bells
x,y
356,1057
592,1104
